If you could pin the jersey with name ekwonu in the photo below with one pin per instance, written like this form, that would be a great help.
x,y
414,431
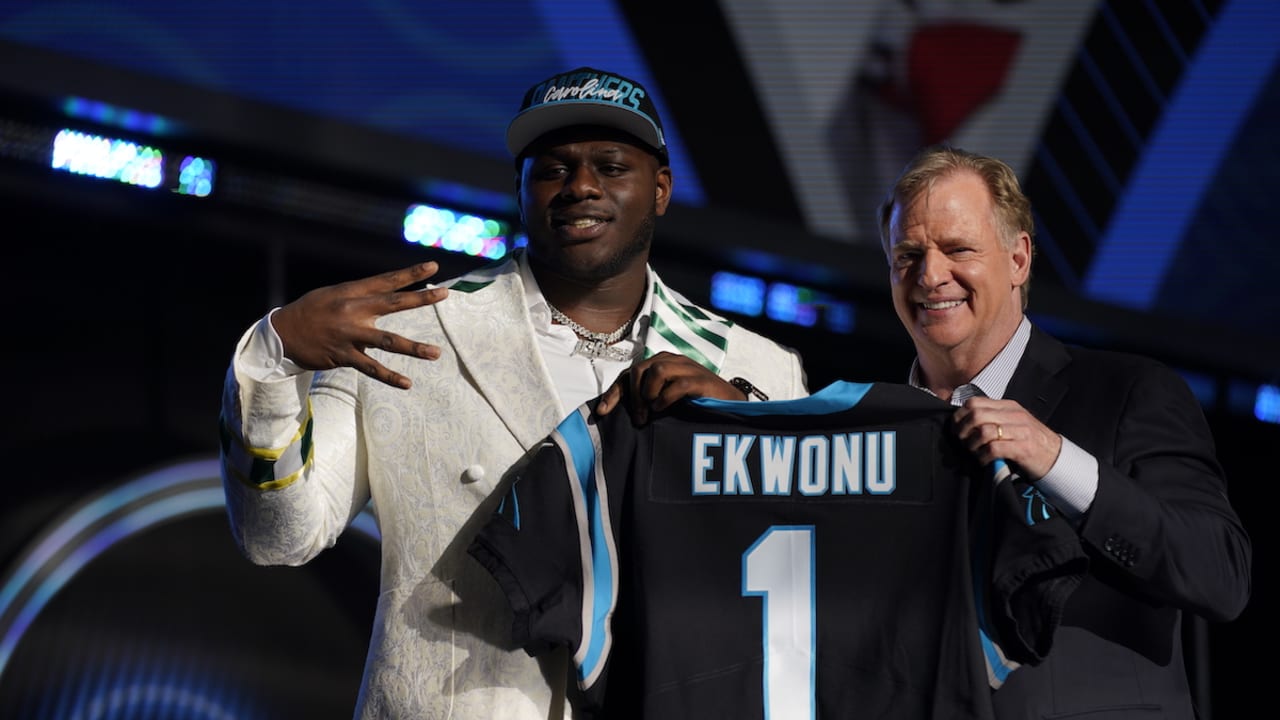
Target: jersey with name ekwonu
x,y
837,556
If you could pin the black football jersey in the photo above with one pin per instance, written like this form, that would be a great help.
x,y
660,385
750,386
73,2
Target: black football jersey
x,y
836,556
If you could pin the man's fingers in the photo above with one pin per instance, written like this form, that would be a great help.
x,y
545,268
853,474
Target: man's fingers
x,y
432,296
394,379
403,300
381,373
675,389
648,387
609,399
390,342
401,345
404,277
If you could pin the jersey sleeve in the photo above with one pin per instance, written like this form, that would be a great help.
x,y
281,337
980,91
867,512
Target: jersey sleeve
x,y
1036,561
550,547
516,547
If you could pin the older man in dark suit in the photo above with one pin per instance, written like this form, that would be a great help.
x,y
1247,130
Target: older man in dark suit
x,y
1117,442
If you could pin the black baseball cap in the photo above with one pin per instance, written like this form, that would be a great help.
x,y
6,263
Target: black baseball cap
x,y
586,96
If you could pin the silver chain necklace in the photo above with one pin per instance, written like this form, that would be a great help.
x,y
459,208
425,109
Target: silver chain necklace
x,y
591,344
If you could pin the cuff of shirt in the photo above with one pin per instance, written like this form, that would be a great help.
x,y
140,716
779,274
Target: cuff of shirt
x,y
1072,482
261,355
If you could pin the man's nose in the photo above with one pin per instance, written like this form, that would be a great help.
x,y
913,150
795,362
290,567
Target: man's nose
x,y
581,182
933,269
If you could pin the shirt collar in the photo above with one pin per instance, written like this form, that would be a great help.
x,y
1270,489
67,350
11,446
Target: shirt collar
x,y
994,379
540,311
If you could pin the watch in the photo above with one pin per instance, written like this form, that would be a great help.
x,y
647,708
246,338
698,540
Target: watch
x,y
745,386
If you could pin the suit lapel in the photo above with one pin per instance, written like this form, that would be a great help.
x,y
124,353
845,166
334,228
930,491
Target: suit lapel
x,y
1036,383
678,326
488,326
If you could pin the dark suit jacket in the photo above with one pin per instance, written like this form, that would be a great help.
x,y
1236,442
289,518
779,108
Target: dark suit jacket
x,y
1161,535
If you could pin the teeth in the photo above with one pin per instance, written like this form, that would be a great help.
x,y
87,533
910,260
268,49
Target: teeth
x,y
941,305
584,222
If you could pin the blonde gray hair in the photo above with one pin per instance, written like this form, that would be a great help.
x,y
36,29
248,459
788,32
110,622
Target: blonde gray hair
x,y
1011,209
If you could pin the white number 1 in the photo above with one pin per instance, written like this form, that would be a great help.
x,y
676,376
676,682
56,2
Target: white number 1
x,y
779,569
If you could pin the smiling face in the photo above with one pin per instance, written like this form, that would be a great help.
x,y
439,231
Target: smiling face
x,y
589,198
955,281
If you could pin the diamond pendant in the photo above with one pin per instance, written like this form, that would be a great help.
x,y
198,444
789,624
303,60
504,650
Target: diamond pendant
x,y
597,349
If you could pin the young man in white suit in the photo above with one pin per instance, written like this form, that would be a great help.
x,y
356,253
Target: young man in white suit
x,y
422,400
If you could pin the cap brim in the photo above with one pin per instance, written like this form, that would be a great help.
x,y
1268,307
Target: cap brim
x,y
537,121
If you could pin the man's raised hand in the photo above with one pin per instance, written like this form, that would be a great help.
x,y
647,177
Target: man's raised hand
x,y
332,326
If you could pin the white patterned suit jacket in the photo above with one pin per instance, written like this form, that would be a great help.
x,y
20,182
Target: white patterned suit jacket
x,y
303,456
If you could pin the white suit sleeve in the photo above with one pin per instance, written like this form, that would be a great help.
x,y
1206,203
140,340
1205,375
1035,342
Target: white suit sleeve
x,y
291,467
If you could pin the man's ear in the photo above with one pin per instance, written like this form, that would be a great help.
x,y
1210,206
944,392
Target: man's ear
x,y
1020,259
662,190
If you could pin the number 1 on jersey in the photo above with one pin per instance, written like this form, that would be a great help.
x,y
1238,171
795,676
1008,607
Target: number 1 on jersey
x,y
779,569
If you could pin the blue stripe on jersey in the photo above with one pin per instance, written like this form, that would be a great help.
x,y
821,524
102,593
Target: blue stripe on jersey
x,y
581,445
509,507
839,395
998,666
1000,471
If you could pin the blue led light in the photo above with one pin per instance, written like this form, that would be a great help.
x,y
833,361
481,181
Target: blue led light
x,y
741,294
791,304
1266,405
107,158
195,177
747,295
106,114
457,232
